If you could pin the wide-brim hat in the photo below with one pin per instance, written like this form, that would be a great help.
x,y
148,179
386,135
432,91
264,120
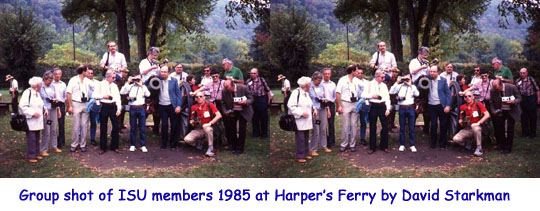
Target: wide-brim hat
x,y
280,77
9,77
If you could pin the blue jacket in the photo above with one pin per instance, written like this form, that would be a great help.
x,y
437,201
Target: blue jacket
x,y
175,93
444,92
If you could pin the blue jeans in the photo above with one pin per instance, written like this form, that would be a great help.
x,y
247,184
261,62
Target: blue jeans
x,y
93,125
406,115
364,119
137,116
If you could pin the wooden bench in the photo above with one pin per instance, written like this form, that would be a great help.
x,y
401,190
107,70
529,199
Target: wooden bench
x,y
275,108
4,108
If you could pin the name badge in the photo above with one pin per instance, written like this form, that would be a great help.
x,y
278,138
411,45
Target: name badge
x,y
206,114
475,114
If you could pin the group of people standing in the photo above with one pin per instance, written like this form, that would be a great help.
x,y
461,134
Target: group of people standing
x,y
452,106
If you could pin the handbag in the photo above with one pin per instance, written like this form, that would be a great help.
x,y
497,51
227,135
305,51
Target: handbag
x,y
287,122
95,107
18,121
150,107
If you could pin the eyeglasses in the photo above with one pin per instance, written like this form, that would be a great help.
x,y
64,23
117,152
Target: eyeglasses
x,y
215,76
252,73
199,96
469,96
484,76
206,70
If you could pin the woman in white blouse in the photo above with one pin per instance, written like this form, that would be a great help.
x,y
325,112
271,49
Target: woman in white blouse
x,y
301,107
32,107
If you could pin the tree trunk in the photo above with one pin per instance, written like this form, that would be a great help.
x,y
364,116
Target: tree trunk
x,y
140,29
413,30
429,22
123,38
395,30
157,22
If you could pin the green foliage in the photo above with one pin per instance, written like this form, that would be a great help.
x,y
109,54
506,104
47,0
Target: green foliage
x,y
336,55
291,42
21,42
62,55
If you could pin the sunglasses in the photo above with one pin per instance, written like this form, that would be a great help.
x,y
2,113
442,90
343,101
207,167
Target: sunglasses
x,y
469,96
199,96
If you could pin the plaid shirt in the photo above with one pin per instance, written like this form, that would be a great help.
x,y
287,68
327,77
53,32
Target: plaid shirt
x,y
527,88
258,88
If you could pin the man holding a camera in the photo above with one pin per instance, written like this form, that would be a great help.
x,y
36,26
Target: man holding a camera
x,y
346,99
136,95
60,92
77,102
376,93
473,114
405,93
203,116
505,100
111,107
236,103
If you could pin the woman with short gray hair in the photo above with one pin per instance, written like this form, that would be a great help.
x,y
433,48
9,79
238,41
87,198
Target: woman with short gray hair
x,y
31,106
301,107
49,139
320,104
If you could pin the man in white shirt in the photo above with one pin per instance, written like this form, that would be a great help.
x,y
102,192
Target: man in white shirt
x,y
346,100
113,60
92,114
476,77
77,92
449,74
136,95
376,93
285,90
109,97
383,59
330,89
419,65
364,116
179,73
14,91
206,78
406,92
60,89
149,66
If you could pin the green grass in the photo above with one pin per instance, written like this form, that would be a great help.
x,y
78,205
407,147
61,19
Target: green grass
x,y
253,163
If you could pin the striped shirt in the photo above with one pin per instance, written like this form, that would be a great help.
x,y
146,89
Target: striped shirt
x,y
528,87
258,88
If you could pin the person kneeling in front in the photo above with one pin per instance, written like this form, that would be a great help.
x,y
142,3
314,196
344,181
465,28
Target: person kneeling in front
x,y
203,116
473,114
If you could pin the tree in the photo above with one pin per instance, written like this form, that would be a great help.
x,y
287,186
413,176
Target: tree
x,y
21,42
336,56
291,42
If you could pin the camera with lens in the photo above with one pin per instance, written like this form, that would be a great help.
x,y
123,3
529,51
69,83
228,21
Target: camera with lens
x,y
405,80
238,99
196,120
317,122
465,121
354,99
398,98
84,99
131,98
135,80
49,122
54,103
322,101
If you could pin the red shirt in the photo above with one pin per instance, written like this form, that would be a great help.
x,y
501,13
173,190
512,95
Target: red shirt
x,y
194,87
202,110
470,111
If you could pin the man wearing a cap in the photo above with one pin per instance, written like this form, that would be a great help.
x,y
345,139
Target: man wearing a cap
x,y
14,91
285,90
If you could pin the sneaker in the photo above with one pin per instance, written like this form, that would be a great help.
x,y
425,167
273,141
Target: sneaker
x,y
83,149
413,149
209,153
353,149
72,149
479,152
401,148
342,149
132,148
143,149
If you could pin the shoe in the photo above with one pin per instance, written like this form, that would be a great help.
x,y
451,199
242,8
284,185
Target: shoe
x,y
314,154
101,152
72,149
93,142
353,149
298,160
39,157
327,150
209,153
371,151
60,146
35,161
308,157
342,149
363,142
132,148
57,150
401,148
413,149
468,145
83,149
44,154
386,150
143,149
199,145
479,152
117,151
